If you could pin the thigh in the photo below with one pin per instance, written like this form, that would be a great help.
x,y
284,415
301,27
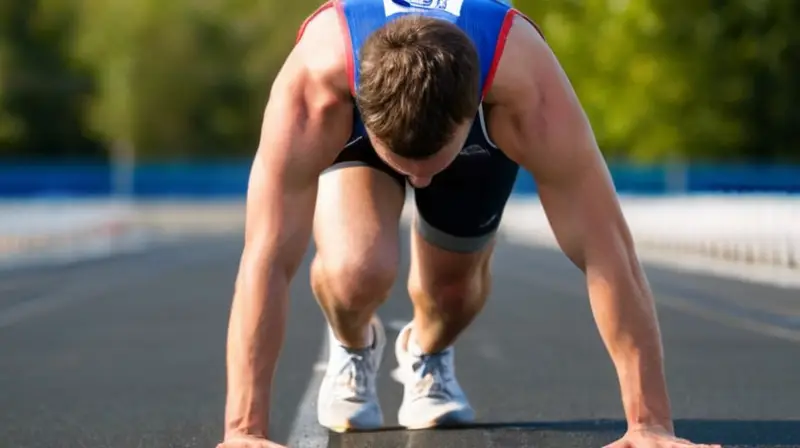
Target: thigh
x,y
358,209
460,211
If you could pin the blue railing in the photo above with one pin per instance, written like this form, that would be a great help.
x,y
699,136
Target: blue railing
x,y
229,179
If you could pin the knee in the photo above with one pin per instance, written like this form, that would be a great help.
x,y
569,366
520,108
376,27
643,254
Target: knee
x,y
354,281
452,295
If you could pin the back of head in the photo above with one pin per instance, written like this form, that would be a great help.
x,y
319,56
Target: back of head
x,y
419,79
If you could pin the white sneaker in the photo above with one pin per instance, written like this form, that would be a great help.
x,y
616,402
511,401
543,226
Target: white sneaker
x,y
432,396
348,397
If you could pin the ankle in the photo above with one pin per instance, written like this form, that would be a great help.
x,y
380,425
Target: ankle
x,y
365,341
415,348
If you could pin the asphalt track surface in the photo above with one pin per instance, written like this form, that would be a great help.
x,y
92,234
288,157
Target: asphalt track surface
x,y
129,352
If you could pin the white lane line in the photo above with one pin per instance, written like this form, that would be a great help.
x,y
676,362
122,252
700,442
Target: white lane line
x,y
306,431
730,320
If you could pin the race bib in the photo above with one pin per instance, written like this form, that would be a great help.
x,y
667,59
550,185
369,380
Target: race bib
x,y
392,7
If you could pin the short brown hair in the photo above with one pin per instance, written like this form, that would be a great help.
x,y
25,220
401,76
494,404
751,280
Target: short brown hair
x,y
419,79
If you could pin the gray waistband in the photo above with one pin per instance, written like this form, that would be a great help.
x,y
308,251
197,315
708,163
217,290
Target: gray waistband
x,y
449,242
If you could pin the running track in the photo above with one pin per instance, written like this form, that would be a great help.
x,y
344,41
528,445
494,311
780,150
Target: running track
x,y
129,352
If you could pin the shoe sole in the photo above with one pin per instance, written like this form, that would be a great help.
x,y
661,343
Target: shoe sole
x,y
449,420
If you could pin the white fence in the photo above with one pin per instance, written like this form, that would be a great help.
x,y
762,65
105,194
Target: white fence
x,y
746,229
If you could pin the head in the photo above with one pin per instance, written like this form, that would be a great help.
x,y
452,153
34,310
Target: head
x,y
418,93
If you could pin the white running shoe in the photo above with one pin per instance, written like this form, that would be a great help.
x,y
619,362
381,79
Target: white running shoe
x,y
348,397
432,396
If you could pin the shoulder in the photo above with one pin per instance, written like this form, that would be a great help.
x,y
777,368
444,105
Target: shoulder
x,y
526,59
321,49
536,116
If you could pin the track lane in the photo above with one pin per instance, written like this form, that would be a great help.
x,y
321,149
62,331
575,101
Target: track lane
x,y
134,357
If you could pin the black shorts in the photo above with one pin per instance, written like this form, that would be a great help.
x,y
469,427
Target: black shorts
x,y
461,209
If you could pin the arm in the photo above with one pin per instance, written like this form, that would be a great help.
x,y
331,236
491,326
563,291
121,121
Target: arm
x,y
306,122
538,120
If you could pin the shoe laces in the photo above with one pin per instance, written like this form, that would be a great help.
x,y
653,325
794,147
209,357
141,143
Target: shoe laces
x,y
433,373
353,379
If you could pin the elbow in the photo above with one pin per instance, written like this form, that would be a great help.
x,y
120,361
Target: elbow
x,y
629,258
612,253
260,273
252,265
260,300
619,268
576,255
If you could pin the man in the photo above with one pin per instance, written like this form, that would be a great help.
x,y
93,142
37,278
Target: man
x,y
452,96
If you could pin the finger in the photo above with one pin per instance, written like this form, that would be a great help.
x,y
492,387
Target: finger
x,y
686,443
618,444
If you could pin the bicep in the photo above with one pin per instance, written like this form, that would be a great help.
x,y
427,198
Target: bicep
x,y
574,184
549,134
558,146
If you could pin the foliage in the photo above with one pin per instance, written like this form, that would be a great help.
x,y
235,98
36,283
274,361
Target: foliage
x,y
660,80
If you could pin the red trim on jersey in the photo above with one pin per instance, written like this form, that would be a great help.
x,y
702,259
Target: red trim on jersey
x,y
348,44
502,37
498,50
308,20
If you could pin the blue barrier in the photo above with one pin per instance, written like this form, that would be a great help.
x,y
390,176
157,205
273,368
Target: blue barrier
x,y
701,178
229,179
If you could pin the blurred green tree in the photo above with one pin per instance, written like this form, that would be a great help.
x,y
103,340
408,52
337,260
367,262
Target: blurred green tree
x,y
184,78
664,80
42,91
660,80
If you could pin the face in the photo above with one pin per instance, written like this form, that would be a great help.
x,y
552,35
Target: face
x,y
421,172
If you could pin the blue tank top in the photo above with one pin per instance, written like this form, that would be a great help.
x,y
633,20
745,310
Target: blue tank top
x,y
486,22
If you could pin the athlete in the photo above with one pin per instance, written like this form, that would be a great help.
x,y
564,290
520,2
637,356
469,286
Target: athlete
x,y
451,97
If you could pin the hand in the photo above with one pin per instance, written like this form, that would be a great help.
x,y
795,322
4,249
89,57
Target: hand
x,y
248,442
654,438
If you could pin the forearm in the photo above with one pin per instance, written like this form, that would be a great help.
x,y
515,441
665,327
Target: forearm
x,y
540,123
626,319
255,336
